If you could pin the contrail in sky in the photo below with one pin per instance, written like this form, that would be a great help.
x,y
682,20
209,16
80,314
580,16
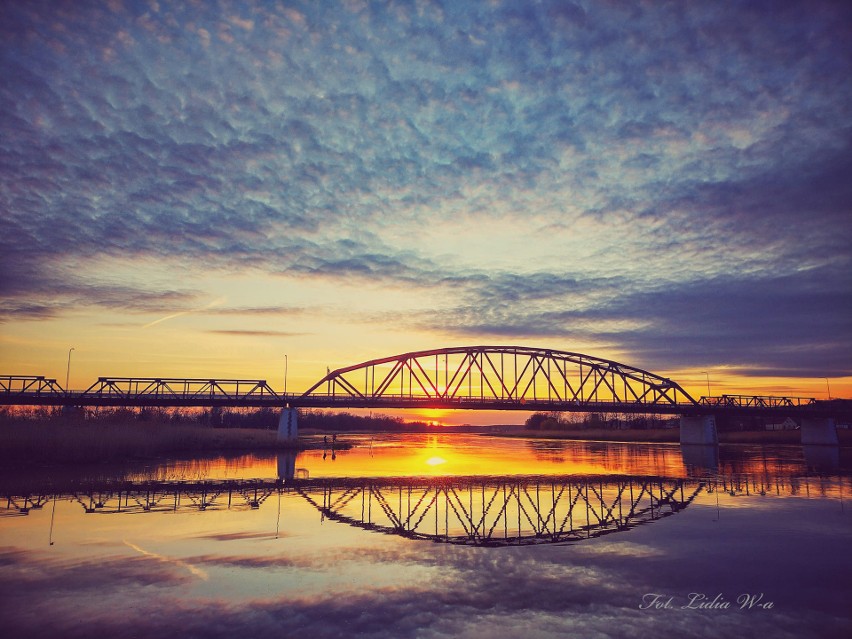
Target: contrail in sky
x,y
215,302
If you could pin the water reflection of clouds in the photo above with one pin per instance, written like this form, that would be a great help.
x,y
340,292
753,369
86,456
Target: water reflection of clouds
x,y
552,591
239,536
187,565
35,575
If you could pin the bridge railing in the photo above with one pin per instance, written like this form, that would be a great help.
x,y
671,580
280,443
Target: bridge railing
x,y
30,385
757,401
588,404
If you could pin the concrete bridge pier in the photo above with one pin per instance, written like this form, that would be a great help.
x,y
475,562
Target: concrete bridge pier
x,y
822,458
698,429
819,430
287,465
702,456
288,427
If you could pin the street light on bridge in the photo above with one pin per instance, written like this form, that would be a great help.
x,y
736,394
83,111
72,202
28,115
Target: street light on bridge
x,y
68,369
707,375
285,375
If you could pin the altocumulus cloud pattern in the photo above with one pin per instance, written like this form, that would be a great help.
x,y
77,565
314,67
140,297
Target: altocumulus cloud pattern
x,y
641,176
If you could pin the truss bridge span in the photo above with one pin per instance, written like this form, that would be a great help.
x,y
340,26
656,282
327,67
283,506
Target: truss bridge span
x,y
498,377
517,378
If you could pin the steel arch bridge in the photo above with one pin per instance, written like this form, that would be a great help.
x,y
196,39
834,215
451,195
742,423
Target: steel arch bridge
x,y
463,377
498,377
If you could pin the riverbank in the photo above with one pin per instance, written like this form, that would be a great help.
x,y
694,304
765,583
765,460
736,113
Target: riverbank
x,y
81,442
663,435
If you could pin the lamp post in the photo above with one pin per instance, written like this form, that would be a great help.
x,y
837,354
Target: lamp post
x,y
827,387
707,375
285,376
68,369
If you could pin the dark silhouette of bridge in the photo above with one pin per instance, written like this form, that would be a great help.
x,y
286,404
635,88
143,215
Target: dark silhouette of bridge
x,y
479,511
494,511
474,510
472,378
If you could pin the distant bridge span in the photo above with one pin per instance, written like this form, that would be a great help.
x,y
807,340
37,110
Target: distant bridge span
x,y
469,377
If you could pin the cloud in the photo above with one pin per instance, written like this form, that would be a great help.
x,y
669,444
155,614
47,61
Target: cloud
x,y
255,310
251,333
46,295
787,325
644,154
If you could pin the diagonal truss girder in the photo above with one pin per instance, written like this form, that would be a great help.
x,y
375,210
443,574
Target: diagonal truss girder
x,y
504,374
29,384
185,389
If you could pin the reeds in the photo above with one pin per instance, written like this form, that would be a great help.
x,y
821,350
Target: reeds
x,y
80,441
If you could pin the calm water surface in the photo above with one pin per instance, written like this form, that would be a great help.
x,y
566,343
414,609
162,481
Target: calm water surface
x,y
436,536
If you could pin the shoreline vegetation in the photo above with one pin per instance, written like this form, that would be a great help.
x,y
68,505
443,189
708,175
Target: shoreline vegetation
x,y
31,436
664,435
660,429
75,442
50,437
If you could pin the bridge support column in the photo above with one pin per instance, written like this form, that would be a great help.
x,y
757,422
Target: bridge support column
x,y
698,429
288,427
287,465
701,456
817,430
822,458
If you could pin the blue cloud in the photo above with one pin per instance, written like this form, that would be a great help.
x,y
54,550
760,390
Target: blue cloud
x,y
256,137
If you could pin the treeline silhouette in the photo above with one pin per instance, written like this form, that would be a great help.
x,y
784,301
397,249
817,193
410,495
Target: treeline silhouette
x,y
261,418
556,421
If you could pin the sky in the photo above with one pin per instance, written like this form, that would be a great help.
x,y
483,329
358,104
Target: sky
x,y
199,189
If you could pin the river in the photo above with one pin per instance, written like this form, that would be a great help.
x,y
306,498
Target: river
x,y
435,536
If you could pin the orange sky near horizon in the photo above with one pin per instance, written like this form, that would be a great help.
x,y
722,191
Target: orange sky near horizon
x,y
173,349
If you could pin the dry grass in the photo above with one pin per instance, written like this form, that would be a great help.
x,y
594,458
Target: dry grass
x,y
793,437
73,441
599,434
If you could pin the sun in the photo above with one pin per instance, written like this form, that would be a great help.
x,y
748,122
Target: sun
x,y
433,416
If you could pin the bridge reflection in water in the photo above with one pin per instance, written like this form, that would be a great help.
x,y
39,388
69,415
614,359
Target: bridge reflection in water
x,y
503,511
477,511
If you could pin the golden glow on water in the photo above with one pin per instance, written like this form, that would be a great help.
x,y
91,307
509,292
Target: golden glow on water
x,y
414,455
465,455
242,467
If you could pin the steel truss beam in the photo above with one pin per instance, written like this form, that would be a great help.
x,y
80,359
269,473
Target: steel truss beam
x,y
139,387
505,375
150,391
757,401
29,384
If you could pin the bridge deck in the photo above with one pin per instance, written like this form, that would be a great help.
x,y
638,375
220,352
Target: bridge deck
x,y
720,406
